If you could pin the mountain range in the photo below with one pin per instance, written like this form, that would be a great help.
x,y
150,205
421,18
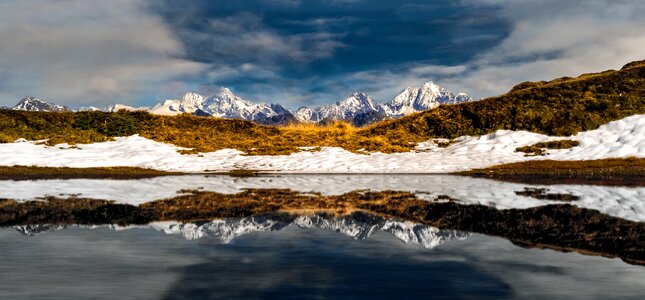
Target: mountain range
x,y
359,108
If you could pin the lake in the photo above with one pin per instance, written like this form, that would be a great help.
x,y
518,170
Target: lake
x,y
475,238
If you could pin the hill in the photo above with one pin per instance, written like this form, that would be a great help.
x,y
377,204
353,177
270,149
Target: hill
x,y
561,107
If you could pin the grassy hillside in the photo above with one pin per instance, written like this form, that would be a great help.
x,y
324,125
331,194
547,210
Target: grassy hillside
x,y
560,107
204,134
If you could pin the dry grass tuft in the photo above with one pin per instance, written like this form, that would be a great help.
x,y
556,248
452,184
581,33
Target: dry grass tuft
x,y
616,171
540,148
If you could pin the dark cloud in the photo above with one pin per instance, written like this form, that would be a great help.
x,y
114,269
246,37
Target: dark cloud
x,y
303,52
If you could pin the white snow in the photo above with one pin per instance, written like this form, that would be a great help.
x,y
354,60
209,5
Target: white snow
x,y
117,107
623,202
622,138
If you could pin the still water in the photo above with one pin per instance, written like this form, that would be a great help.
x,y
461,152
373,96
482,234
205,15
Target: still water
x,y
287,257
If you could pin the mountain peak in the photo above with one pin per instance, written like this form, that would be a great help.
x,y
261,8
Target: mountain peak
x,y
31,103
192,97
358,100
431,84
225,104
415,99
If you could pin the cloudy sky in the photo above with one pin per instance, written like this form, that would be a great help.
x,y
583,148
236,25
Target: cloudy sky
x,y
303,52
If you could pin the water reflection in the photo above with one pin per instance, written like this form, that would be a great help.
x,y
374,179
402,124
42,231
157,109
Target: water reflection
x,y
295,262
622,202
359,226
333,236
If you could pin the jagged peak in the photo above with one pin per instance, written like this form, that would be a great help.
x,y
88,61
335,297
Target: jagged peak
x,y
359,98
31,99
191,96
432,85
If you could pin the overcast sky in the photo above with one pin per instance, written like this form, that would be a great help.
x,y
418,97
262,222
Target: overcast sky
x,y
303,52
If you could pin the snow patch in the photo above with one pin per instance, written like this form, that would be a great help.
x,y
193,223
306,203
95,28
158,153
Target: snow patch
x,y
622,138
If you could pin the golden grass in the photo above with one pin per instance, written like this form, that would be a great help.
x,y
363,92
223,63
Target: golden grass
x,y
598,166
210,134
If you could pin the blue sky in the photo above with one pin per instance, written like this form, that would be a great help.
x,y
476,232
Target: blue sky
x,y
303,52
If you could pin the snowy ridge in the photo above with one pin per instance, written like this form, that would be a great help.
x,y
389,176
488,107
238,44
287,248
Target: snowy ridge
x,y
118,107
35,104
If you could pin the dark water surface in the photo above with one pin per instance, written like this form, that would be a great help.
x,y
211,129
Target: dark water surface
x,y
143,263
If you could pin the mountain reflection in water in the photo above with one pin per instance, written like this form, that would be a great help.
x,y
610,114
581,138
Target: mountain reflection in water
x,y
295,262
359,226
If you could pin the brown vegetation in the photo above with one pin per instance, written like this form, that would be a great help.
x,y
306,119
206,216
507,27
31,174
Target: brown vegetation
x,y
560,227
616,171
560,107
33,172
540,148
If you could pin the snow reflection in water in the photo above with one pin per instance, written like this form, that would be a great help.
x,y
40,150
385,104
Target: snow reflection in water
x,y
622,202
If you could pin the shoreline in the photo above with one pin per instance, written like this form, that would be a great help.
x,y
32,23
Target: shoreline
x,y
607,172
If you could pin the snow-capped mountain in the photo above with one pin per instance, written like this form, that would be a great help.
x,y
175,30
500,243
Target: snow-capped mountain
x,y
358,104
189,103
35,104
358,109
416,99
225,104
